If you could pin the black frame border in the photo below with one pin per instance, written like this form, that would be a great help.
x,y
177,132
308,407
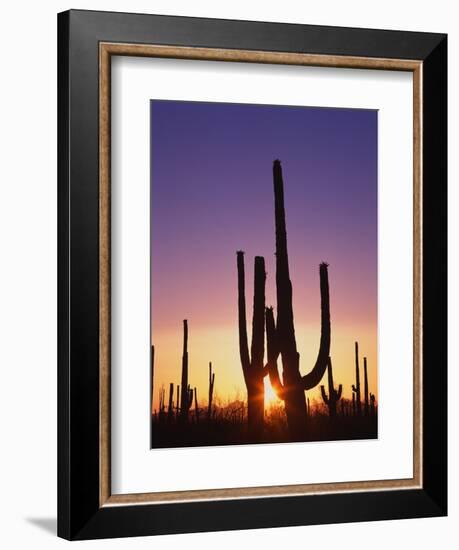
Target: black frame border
x,y
79,514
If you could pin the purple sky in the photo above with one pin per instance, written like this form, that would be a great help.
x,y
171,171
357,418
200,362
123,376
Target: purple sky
x,y
211,178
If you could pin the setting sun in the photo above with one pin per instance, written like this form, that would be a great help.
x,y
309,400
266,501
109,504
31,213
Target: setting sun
x,y
270,396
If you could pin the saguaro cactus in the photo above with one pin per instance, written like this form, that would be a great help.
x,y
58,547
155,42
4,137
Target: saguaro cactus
x,y
170,409
211,391
365,387
190,394
356,387
185,397
196,408
162,402
281,334
252,365
333,396
353,401
372,404
152,370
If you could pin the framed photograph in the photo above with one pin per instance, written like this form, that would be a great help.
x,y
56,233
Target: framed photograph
x,y
252,274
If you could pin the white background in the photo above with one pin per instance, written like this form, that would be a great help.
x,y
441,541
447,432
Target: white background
x,y
28,273
135,467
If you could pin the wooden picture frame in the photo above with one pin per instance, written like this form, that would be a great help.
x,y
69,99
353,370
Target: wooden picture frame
x,y
87,41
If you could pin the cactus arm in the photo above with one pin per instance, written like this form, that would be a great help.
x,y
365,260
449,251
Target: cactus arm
x,y
274,378
243,342
324,395
273,354
339,392
312,379
354,389
258,320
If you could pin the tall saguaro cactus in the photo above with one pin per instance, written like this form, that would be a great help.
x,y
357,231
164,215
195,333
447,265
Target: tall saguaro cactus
x,y
356,387
333,395
281,334
185,396
365,387
252,365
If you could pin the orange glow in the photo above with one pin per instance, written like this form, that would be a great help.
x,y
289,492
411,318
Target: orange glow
x,y
270,396
221,346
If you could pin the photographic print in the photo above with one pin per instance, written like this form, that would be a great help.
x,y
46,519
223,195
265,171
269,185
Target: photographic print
x,y
258,266
264,285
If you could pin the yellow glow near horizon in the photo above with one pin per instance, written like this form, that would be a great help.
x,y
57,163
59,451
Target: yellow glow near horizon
x,y
221,347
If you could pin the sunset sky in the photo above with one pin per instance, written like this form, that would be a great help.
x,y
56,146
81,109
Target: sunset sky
x,y
212,194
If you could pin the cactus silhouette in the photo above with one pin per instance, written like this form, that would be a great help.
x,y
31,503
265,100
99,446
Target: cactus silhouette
x,y
162,403
170,408
372,404
152,371
356,387
189,398
211,391
186,399
196,408
281,334
177,409
333,396
365,387
353,401
252,365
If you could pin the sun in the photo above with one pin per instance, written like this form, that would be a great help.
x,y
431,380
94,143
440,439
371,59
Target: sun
x,y
270,395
